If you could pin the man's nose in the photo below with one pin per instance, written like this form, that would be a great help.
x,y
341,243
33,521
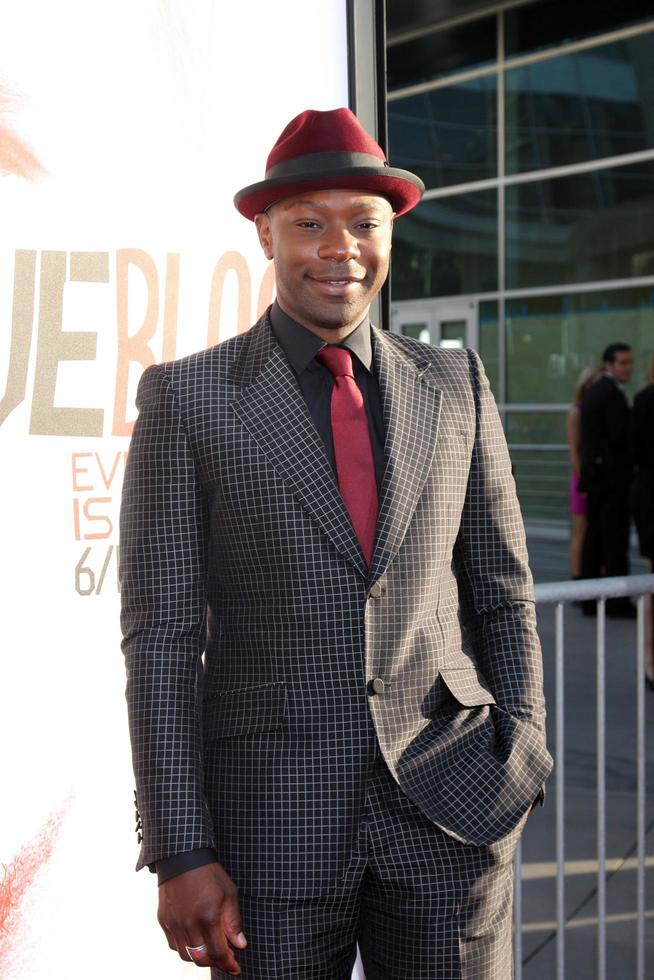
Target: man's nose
x,y
340,244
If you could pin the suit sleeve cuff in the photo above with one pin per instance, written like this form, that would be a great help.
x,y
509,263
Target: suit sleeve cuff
x,y
177,864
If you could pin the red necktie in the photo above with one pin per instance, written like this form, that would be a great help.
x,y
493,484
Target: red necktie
x,y
355,464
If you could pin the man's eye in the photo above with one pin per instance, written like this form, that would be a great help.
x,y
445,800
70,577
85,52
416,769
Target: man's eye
x,y
307,224
368,225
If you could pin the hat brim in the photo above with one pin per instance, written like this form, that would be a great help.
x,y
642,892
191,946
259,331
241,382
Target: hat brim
x,y
402,188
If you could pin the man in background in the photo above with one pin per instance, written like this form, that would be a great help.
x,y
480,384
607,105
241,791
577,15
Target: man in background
x,y
606,472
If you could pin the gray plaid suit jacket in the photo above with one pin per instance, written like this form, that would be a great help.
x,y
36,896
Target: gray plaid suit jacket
x,y
235,544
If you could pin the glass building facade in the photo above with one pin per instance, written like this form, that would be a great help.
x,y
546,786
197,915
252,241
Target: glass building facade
x,y
532,126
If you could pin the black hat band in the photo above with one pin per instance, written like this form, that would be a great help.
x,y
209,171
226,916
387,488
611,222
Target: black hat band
x,y
319,162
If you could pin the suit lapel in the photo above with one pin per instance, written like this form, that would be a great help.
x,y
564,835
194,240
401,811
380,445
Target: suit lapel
x,y
272,408
411,406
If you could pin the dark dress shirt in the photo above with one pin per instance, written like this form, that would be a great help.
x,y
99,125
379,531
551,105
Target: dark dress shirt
x,y
316,381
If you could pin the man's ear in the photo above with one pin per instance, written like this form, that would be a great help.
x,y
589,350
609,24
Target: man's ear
x,y
264,230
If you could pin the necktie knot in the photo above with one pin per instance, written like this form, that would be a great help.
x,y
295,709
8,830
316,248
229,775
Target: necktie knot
x,y
338,360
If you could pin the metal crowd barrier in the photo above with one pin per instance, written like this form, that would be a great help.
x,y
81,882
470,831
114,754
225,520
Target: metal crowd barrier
x,y
559,594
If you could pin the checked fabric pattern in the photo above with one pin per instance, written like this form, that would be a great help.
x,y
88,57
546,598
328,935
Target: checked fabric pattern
x,y
235,544
421,905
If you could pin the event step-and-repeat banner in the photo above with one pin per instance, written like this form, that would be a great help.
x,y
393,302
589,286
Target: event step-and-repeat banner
x,y
125,129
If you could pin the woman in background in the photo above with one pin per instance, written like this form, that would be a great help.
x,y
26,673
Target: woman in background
x,y
577,498
643,497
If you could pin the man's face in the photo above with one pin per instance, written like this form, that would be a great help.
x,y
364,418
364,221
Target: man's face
x,y
331,251
621,366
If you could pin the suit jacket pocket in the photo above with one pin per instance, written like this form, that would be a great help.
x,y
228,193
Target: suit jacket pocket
x,y
467,685
245,711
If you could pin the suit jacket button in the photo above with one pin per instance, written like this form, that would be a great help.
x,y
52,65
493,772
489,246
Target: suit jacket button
x,y
377,686
376,590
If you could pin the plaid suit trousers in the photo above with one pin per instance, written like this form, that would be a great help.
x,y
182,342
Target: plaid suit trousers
x,y
420,905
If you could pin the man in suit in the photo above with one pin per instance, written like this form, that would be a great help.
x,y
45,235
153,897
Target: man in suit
x,y
606,472
334,678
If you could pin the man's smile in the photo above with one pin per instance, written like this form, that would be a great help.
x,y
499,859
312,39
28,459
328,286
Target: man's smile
x,y
337,286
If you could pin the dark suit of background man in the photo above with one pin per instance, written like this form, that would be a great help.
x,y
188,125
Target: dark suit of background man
x,y
327,513
606,471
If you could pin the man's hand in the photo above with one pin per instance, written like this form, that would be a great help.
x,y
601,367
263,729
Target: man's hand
x,y
201,907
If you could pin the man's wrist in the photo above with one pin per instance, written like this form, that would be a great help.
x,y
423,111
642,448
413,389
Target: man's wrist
x,y
177,864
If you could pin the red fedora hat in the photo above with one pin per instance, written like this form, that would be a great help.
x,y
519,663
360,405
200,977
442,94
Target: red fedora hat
x,y
321,150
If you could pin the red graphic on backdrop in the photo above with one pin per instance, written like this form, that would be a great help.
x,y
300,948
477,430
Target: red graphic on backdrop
x,y
17,879
16,157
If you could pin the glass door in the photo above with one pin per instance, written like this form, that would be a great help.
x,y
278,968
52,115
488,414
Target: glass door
x,y
443,323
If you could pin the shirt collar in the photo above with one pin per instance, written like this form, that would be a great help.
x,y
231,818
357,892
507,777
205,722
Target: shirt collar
x,y
301,345
611,377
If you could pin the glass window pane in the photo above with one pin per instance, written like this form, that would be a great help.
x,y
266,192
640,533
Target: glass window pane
x,y
417,331
446,247
536,428
453,333
489,347
551,339
581,228
440,53
582,106
533,27
447,136
402,15
537,443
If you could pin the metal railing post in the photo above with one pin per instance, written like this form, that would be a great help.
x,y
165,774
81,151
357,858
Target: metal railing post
x,y
517,914
560,794
640,789
601,790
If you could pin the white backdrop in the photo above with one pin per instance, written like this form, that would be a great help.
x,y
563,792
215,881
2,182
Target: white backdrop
x,y
125,129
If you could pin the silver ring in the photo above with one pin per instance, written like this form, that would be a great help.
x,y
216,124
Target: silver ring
x,y
196,952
